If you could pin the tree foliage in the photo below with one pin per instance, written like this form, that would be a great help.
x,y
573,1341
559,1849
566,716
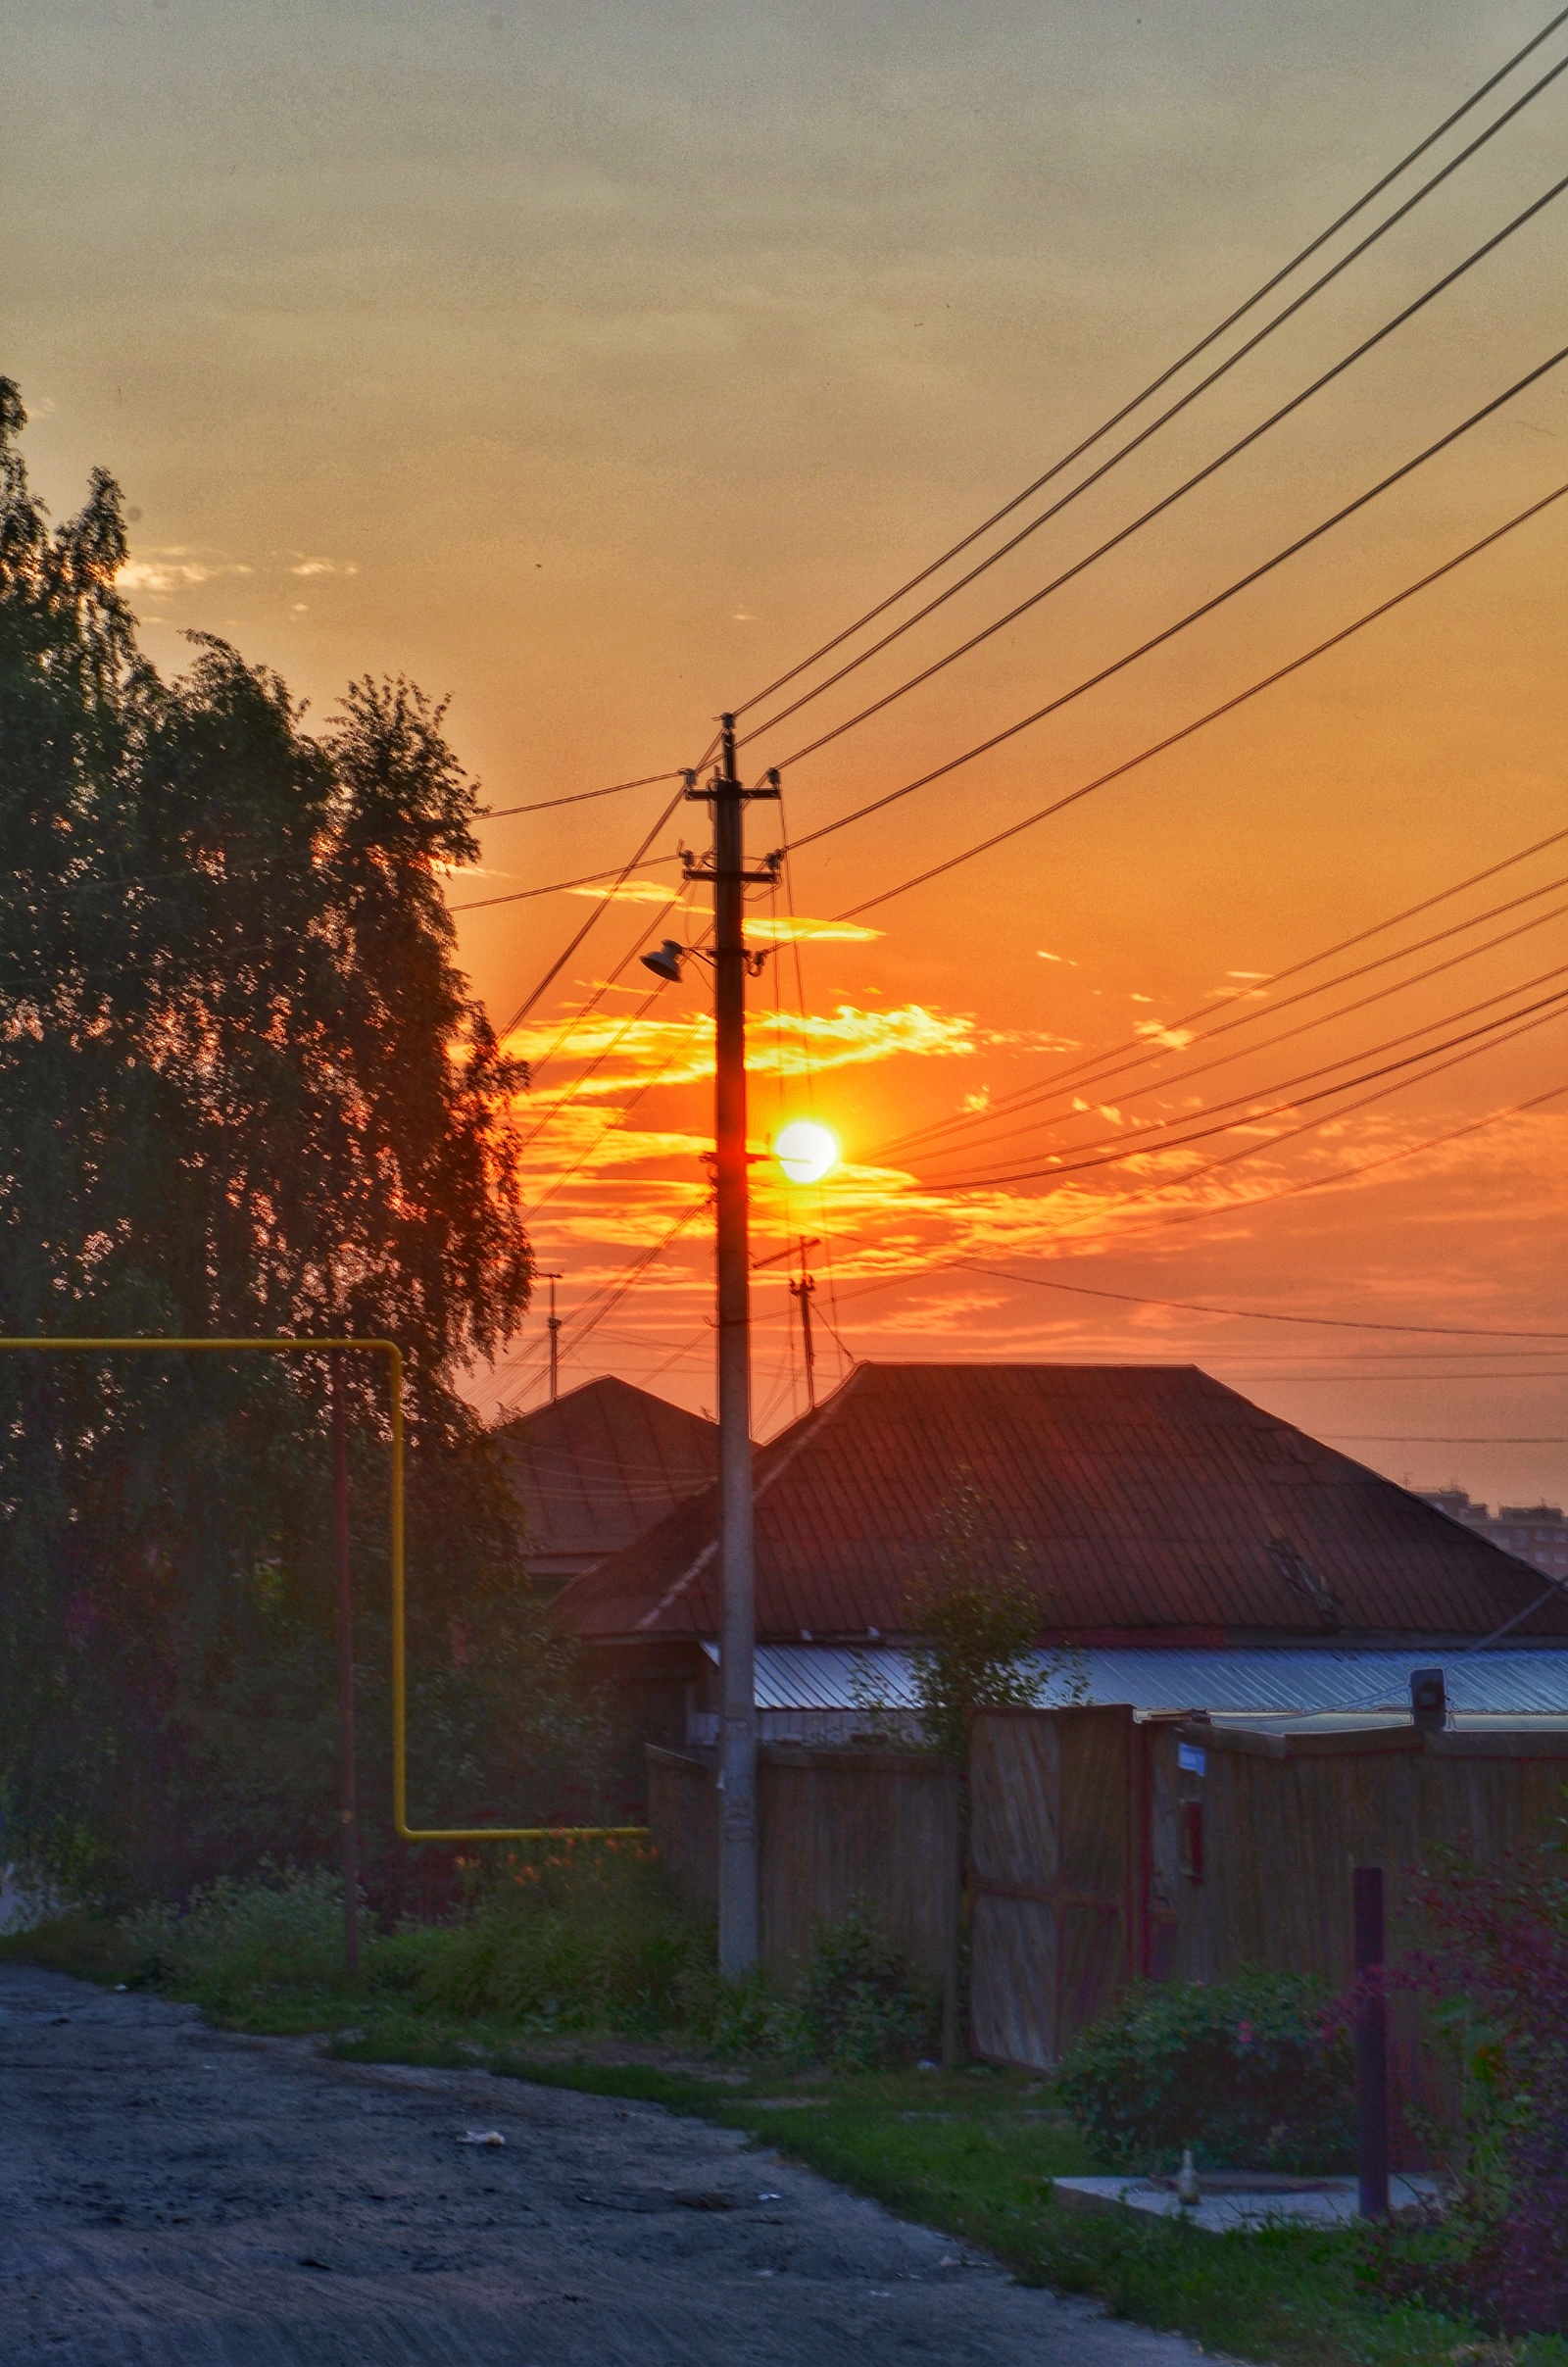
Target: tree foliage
x,y
244,1091
976,1616
1495,1974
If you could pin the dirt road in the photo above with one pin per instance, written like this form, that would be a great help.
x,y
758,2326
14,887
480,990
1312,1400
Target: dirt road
x,y
171,2197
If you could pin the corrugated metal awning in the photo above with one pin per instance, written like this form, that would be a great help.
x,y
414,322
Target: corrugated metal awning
x,y
1505,1680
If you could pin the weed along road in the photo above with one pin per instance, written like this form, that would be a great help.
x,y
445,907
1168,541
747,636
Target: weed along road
x,y
171,2193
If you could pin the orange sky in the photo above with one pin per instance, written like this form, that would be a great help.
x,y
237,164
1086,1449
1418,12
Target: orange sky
x,y
592,364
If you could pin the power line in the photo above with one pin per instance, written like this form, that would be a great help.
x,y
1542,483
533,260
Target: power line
x,y
1554,1009
1254,1315
1172,739
1348,1174
1205,608
1230,1207
1053,1089
621,1116
627,868
1102,1068
1166,502
547,804
560,887
1134,1142
587,1010
1109,425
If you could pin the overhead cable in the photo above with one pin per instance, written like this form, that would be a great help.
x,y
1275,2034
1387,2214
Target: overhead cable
x,y
1172,739
1556,1010
1146,518
1103,1068
1245,1204
560,887
1254,1315
1158,1134
1109,425
1195,615
1189,1076
586,1009
625,872
581,797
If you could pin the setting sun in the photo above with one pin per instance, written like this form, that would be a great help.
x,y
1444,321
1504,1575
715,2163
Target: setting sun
x,y
806,1150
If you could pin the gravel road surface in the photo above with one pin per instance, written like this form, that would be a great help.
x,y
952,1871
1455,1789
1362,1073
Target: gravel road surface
x,y
172,2195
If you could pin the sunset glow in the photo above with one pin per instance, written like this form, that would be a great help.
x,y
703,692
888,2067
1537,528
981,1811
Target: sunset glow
x,y
599,427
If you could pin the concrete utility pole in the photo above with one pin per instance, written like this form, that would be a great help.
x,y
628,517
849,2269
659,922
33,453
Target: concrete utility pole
x,y
737,1822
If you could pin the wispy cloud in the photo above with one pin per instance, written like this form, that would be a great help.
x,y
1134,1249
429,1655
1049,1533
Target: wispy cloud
x,y
175,569
800,930
627,891
679,1050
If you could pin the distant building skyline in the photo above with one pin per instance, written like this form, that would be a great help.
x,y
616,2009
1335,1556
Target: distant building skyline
x,y
1533,1533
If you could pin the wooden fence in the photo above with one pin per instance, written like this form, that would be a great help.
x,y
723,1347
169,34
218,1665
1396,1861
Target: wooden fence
x,y
836,1828
1279,1820
1101,1849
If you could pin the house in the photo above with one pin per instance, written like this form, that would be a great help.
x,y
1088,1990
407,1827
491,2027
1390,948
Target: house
x,y
1197,1552
594,1469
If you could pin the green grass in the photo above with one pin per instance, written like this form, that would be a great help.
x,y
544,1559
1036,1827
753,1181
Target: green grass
x,y
971,2152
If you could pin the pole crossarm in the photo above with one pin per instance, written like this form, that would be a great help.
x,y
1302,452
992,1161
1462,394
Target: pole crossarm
x,y
140,1344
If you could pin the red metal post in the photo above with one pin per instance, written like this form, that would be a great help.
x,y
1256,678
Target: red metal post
x,y
1371,2045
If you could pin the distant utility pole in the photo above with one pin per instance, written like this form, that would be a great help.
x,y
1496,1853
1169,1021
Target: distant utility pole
x,y
802,1290
737,1821
553,1327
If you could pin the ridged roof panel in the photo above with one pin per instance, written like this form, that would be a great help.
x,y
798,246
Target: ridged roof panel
x,y
1143,1497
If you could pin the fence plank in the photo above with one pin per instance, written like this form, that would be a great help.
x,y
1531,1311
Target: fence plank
x,y
837,1829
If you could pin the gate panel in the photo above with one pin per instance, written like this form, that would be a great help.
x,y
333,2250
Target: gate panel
x,y
1053,1874
1013,1947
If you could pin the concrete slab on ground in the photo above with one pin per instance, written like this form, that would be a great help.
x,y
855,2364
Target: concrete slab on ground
x,y
1308,2202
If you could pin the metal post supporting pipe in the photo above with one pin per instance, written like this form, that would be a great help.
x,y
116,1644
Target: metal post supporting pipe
x,y
1371,2045
348,1783
737,1808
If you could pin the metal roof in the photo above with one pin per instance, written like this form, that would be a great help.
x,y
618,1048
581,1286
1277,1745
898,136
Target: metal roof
x,y
1143,1499
598,1466
1504,1681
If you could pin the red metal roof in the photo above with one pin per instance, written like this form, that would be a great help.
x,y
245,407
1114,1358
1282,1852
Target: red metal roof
x,y
598,1467
1146,1499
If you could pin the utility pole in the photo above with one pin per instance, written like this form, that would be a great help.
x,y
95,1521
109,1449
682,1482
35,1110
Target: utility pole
x,y
802,1290
553,1327
737,1777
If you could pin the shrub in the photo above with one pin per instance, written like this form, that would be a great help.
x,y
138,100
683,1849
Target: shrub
x,y
745,2019
862,2004
583,1938
1248,2072
283,1928
1497,1971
